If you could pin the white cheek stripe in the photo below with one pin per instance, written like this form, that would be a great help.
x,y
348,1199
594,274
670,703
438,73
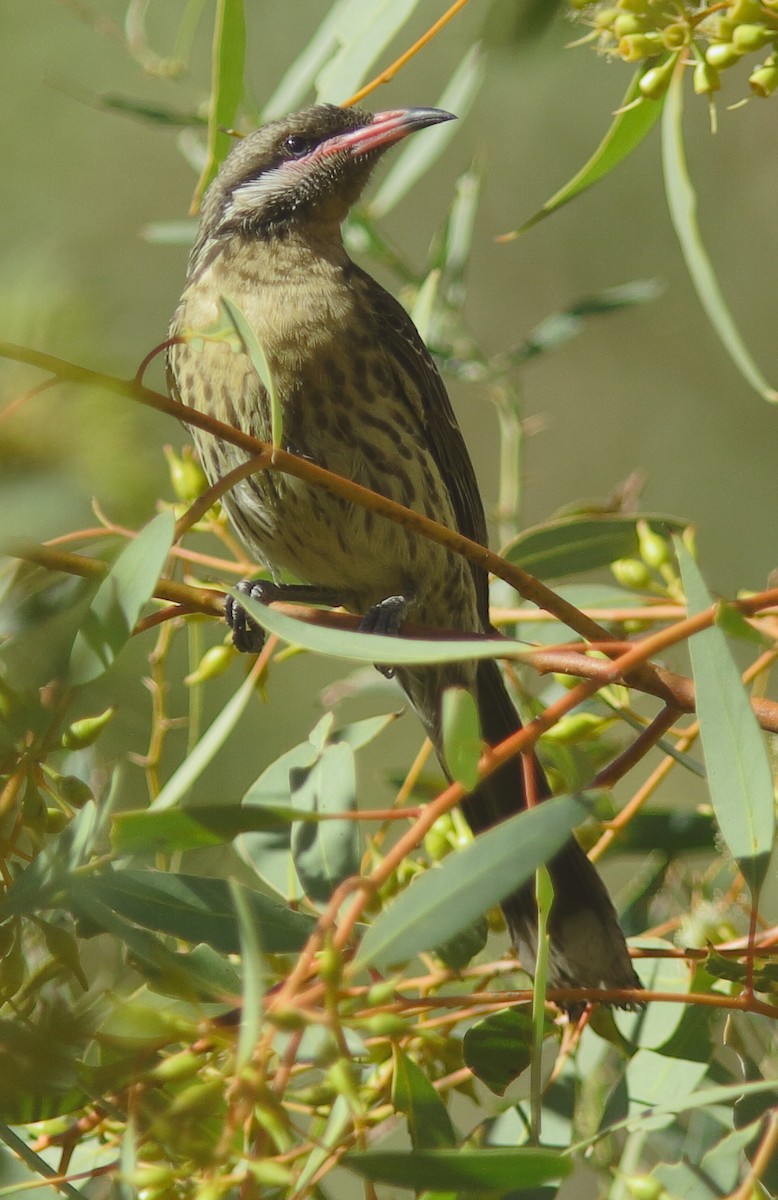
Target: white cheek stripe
x,y
270,185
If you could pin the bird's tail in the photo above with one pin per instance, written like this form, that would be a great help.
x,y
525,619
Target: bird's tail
x,y
587,946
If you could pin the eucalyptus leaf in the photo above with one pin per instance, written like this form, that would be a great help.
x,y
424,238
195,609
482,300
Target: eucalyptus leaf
x,y
118,601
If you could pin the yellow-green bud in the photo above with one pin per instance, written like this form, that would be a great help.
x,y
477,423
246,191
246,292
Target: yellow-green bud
x,y
631,572
742,11
655,82
214,662
380,993
676,35
155,1177
722,55
330,962
764,80
385,1025
186,476
82,733
634,6
199,1099
653,548
268,1172
706,79
74,791
605,17
643,1187
747,38
56,820
175,1067
627,23
579,727
637,46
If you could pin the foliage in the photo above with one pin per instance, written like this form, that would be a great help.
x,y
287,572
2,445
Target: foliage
x,y
255,1022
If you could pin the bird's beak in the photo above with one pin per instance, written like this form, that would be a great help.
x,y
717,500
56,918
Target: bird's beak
x,y
385,129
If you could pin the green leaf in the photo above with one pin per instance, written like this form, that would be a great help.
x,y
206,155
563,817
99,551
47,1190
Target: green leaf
x,y
365,29
253,973
192,908
498,1049
739,774
298,79
447,898
413,1094
655,1080
374,647
163,832
119,599
462,746
682,203
572,545
326,854
418,154
654,1025
269,852
256,352
229,56
634,118
206,749
469,1170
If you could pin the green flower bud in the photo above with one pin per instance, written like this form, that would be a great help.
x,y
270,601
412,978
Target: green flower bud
x,y
605,17
676,35
742,11
270,1173
199,1100
627,23
214,662
764,80
176,1067
635,6
186,476
155,1177
385,1025
643,1187
655,82
381,993
74,791
580,727
722,55
706,79
56,820
653,548
82,733
747,38
631,572
637,46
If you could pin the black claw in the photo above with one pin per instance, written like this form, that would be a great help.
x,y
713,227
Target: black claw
x,y
386,617
248,636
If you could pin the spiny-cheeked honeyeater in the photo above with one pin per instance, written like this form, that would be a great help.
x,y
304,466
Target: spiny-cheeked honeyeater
x,y
362,397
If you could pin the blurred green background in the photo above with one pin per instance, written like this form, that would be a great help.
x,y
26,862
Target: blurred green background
x,y
647,389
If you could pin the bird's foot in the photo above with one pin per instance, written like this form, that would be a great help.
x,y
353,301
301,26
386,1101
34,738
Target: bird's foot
x,y
386,618
248,636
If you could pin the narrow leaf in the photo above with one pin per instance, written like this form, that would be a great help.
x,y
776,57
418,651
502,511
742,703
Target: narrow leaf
x,y
413,1094
119,599
373,647
739,774
447,898
682,202
326,854
253,983
192,908
469,1170
573,545
175,829
635,117
366,28
206,749
462,746
229,55
259,361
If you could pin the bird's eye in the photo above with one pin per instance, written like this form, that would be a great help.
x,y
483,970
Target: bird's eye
x,y
296,146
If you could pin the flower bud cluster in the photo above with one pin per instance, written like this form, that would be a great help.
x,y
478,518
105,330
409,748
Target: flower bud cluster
x,y
714,37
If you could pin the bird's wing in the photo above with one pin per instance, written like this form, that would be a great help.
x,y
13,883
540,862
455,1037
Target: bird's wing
x,y
403,345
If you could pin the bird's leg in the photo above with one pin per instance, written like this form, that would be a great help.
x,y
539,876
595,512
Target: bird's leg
x,y
248,636
386,618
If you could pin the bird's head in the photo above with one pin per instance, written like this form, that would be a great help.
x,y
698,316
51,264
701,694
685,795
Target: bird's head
x,y
308,167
